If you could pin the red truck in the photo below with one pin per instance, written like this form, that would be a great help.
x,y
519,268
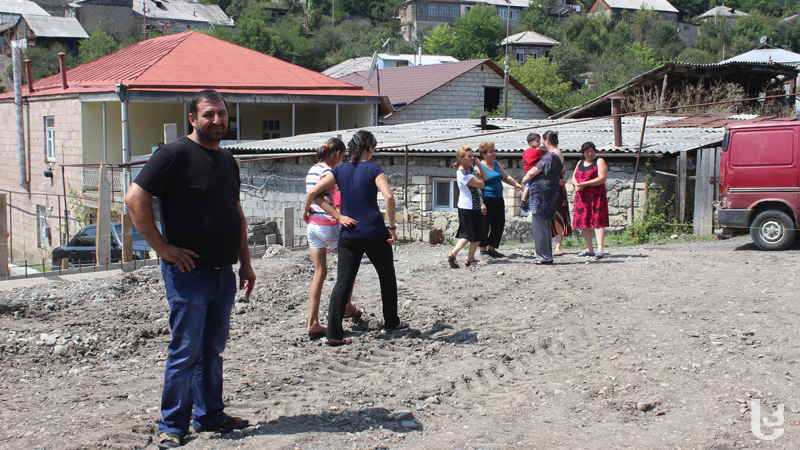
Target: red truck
x,y
759,183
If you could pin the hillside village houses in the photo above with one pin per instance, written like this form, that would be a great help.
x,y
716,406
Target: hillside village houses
x,y
529,44
615,7
722,12
123,18
126,104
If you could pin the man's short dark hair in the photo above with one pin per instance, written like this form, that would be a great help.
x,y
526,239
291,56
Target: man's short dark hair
x,y
205,96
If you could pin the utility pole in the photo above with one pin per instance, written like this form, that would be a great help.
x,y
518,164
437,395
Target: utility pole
x,y
505,66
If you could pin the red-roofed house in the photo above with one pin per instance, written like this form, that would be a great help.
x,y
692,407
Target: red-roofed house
x,y
125,99
448,90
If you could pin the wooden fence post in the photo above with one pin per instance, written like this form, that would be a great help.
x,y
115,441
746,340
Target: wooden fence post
x,y
3,236
103,234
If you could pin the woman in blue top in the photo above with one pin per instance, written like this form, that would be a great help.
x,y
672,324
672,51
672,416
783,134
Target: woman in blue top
x,y
493,203
359,182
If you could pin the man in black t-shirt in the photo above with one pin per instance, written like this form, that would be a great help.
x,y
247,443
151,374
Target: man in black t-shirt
x,y
203,234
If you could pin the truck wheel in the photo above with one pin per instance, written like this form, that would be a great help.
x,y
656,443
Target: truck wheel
x,y
772,230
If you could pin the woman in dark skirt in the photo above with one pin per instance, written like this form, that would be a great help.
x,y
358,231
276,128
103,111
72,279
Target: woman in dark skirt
x,y
471,225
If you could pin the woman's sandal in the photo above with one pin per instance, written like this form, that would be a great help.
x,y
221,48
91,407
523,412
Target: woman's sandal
x,y
334,343
401,326
452,261
585,253
359,312
543,263
168,440
470,262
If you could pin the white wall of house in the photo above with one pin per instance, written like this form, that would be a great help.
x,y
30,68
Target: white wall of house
x,y
464,97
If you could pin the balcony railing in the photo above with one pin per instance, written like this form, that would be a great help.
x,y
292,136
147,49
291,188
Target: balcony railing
x,y
91,180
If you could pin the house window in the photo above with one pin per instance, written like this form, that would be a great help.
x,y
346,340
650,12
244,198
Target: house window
x,y
272,129
501,12
49,139
520,55
42,231
535,54
491,98
447,10
514,14
445,194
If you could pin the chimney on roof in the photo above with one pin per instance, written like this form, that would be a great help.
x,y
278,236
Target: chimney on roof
x,y
616,108
28,75
62,64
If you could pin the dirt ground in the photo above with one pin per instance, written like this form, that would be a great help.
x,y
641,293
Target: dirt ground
x,y
655,347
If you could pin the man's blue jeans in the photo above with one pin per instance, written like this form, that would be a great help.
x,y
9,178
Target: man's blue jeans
x,y
200,303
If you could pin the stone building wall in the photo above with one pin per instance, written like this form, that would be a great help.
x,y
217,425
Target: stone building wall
x,y
270,186
42,191
464,96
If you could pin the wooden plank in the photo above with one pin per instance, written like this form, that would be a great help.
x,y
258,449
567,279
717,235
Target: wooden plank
x,y
680,191
704,193
103,237
127,238
3,236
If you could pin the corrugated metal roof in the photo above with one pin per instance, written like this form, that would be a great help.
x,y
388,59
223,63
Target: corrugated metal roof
x,y
657,5
514,3
572,134
181,10
363,63
766,55
56,27
530,38
22,7
723,11
189,62
404,85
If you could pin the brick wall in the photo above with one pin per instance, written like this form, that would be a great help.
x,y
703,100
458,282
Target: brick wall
x,y
41,190
464,97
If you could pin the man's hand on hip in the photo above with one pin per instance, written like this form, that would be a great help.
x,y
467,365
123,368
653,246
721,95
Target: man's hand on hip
x,y
181,257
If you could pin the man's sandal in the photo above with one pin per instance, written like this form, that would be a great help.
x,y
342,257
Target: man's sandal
x,y
168,440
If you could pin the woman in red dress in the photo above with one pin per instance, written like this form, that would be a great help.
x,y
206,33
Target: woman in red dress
x,y
591,202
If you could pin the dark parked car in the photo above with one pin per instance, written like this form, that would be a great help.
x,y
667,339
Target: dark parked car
x,y
81,248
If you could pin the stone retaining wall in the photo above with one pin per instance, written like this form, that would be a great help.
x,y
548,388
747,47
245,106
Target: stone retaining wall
x,y
269,186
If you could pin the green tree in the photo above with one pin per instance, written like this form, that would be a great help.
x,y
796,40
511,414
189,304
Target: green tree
x,y
440,41
478,33
787,35
536,17
99,44
540,76
697,56
748,31
44,62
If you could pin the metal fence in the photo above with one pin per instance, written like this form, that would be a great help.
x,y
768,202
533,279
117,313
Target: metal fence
x,y
91,180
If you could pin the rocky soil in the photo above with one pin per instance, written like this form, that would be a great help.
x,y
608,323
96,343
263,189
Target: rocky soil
x,y
657,347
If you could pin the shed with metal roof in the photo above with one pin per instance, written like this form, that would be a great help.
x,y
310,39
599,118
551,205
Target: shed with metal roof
x,y
450,90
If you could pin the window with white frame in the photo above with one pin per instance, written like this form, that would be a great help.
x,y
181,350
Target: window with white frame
x,y
520,55
49,139
534,54
272,129
445,194
42,231
514,14
501,12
